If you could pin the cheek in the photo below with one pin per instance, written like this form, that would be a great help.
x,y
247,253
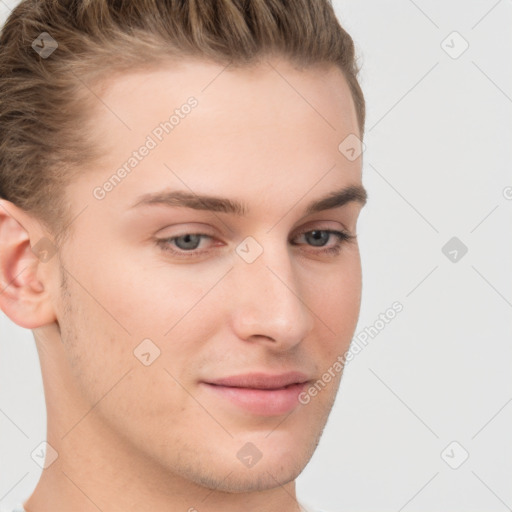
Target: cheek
x,y
151,298
106,370
336,300
153,313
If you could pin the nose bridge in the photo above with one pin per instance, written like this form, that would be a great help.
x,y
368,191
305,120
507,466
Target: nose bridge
x,y
268,300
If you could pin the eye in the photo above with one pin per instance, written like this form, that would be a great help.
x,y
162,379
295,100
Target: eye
x,y
186,245
187,242
319,237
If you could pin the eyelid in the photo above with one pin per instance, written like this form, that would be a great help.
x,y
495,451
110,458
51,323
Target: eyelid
x,y
204,229
342,236
194,228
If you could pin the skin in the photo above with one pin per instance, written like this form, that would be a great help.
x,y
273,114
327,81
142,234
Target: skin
x,y
132,437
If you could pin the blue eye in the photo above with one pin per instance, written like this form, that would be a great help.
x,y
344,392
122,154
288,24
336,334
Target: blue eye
x,y
320,235
188,243
323,235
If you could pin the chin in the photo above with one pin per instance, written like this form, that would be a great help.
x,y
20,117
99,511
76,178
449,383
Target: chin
x,y
257,479
280,463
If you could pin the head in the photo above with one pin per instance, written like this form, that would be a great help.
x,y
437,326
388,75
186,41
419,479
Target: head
x,y
175,209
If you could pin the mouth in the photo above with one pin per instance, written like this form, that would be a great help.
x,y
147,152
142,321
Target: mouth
x,y
260,394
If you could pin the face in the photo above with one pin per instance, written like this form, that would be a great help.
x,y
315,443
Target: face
x,y
164,301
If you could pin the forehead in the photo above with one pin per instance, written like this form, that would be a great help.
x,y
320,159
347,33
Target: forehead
x,y
249,127
254,97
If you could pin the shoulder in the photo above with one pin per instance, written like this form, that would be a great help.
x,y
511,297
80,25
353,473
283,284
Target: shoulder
x,y
305,507
17,508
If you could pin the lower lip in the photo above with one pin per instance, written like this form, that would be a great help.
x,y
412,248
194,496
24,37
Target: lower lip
x,y
263,402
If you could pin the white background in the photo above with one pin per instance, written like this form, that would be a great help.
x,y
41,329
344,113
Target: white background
x,y
436,164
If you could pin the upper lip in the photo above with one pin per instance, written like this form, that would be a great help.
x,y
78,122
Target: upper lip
x,y
261,380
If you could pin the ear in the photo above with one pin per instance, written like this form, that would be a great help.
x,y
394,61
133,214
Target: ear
x,y
25,258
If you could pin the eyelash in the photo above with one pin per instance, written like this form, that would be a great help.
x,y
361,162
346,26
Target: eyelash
x,y
343,238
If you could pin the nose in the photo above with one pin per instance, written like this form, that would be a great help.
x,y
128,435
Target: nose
x,y
269,302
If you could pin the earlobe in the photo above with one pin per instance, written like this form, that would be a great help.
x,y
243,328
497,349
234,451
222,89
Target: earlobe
x,y
24,298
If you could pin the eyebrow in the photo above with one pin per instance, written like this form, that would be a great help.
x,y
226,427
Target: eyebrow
x,y
179,198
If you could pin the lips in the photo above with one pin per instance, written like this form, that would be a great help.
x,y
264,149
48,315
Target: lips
x,y
259,393
261,380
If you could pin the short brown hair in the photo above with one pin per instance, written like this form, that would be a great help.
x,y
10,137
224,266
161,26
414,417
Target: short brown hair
x,y
44,135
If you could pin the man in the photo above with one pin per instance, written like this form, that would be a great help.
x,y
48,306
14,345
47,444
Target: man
x,y
180,184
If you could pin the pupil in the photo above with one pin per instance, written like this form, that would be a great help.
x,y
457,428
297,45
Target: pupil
x,y
188,238
323,236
